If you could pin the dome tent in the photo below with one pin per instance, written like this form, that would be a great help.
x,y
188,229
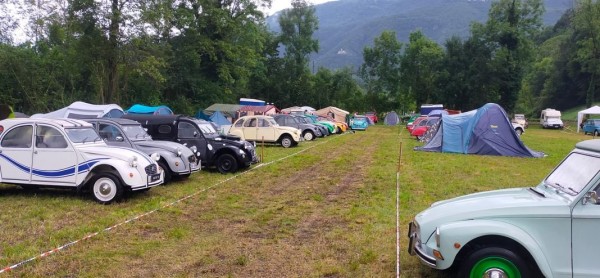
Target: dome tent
x,y
484,131
391,118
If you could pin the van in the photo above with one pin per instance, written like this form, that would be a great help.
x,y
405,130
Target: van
x,y
550,118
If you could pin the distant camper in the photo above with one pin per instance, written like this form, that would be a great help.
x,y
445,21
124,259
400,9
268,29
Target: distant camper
x,y
550,118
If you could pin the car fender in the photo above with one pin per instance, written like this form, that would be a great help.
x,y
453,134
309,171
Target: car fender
x,y
133,177
237,133
176,163
463,232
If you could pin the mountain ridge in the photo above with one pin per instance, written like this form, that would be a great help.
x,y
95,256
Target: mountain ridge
x,y
352,25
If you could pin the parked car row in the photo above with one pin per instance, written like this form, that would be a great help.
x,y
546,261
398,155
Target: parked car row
x,y
108,156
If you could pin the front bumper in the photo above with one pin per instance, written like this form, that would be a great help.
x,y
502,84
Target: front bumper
x,y
416,247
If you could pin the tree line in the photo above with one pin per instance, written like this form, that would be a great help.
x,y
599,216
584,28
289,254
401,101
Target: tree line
x,y
189,54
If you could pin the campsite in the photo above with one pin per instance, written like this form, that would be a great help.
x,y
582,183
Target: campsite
x,y
293,212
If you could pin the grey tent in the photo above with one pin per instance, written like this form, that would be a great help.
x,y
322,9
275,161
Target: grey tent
x,y
391,118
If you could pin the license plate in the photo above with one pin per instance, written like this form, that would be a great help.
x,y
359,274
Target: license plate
x,y
154,178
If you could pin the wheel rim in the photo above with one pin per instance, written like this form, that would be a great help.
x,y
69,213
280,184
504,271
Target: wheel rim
x,y
286,142
105,189
308,136
226,165
495,267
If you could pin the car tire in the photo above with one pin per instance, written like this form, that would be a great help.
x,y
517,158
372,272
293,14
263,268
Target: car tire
x,y
308,135
106,188
519,132
167,171
488,261
226,163
287,141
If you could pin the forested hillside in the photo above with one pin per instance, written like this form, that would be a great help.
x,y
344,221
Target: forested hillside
x,y
347,26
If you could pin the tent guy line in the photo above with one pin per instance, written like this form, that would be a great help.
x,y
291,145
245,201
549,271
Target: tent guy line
x,y
108,229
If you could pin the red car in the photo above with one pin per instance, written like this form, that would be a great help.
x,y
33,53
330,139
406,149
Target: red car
x,y
372,116
415,123
421,128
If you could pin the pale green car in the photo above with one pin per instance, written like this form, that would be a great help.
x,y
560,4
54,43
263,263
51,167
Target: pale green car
x,y
550,230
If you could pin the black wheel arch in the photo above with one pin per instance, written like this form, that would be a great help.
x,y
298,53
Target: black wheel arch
x,y
227,150
496,241
104,168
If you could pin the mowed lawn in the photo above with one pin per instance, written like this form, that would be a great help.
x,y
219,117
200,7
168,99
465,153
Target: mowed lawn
x,y
326,208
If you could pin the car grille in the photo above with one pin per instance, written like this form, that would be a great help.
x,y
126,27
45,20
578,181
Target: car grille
x,y
192,159
151,169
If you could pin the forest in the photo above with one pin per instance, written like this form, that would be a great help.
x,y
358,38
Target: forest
x,y
189,54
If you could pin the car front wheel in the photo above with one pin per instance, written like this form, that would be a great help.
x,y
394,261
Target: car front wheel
x,y
494,262
519,132
107,188
309,136
226,163
287,141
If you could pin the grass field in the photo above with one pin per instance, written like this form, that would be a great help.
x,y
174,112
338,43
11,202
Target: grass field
x,y
326,208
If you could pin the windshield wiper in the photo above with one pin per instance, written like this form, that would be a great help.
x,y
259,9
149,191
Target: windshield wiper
x,y
564,188
537,192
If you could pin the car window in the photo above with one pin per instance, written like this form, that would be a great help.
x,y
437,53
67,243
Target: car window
x,y
82,135
109,132
49,137
239,123
164,129
135,132
263,123
187,130
250,122
19,137
280,120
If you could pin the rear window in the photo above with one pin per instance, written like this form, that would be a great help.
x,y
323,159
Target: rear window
x,y
19,137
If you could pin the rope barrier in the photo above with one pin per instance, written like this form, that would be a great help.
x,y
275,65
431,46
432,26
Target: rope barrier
x,y
64,246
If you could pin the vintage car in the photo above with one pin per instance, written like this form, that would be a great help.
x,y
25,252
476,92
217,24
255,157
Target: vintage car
x,y
520,119
421,128
265,128
592,126
309,131
372,116
339,126
228,154
176,159
519,129
415,123
68,153
549,230
307,120
359,122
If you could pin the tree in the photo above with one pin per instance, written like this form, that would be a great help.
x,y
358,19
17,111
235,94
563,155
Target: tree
x,y
420,67
381,74
586,25
298,25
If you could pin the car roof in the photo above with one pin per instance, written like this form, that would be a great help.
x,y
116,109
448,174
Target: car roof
x,y
119,121
65,123
590,145
155,119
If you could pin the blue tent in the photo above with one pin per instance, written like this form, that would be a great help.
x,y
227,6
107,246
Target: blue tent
x,y
143,109
202,116
219,119
485,131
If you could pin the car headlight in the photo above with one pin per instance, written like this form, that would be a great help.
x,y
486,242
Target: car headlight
x,y
178,152
242,152
133,161
194,149
155,156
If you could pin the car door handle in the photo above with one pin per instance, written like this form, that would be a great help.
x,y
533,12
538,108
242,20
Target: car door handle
x,y
34,152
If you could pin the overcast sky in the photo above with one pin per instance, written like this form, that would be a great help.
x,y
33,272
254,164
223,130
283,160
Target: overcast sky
x,y
278,5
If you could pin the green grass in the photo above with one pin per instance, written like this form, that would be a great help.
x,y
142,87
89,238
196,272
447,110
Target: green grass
x,y
329,210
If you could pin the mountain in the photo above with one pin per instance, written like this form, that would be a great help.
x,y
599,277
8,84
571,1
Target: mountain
x,y
346,27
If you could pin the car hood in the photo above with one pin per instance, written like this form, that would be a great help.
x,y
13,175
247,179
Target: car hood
x,y
497,204
554,121
226,139
125,154
288,128
151,146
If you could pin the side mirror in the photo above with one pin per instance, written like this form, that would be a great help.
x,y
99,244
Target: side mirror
x,y
119,139
591,197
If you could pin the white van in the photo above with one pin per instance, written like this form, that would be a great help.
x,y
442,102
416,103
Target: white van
x,y
550,118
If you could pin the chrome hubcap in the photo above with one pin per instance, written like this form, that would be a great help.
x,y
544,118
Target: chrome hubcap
x,y
105,189
494,273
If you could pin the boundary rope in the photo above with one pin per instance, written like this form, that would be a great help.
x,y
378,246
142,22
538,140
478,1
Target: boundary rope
x,y
65,246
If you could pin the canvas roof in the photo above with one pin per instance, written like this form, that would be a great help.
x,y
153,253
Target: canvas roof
x,y
594,110
81,109
338,114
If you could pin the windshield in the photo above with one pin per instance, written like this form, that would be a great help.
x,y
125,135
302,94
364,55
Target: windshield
x,y
301,120
82,135
574,173
272,121
207,129
136,132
